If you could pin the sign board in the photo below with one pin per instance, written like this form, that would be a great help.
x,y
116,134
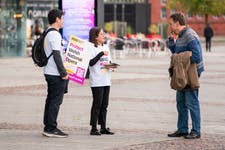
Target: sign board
x,y
77,59
79,18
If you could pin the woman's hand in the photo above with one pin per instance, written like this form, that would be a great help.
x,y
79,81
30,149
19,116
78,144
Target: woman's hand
x,y
106,53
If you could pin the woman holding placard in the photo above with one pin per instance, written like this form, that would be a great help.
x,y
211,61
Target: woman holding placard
x,y
100,81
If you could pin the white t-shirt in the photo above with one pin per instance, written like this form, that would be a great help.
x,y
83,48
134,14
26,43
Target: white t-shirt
x,y
99,76
53,41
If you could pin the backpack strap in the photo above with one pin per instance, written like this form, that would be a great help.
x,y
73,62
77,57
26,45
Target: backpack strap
x,y
45,33
49,55
50,29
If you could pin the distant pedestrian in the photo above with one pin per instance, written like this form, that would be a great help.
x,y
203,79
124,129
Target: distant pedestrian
x,y
100,81
187,99
37,30
208,34
55,75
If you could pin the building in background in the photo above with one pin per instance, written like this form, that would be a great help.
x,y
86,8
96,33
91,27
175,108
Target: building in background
x,y
12,28
160,14
127,16
18,21
22,21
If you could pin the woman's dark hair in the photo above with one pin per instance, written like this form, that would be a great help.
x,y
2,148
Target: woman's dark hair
x,y
53,14
178,17
93,34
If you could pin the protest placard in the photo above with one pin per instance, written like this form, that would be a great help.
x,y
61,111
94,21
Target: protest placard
x,y
77,59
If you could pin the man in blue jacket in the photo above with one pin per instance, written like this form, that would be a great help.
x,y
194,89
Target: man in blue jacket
x,y
187,99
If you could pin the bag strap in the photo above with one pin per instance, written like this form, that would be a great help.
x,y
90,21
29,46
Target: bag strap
x,y
48,30
45,33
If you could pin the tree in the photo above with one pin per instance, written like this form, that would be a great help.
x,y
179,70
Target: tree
x,y
153,29
201,7
109,27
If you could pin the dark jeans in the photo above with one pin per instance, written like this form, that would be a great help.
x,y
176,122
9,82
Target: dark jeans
x,y
208,44
99,106
56,88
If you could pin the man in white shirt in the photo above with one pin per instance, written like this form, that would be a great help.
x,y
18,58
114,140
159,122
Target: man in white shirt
x,y
55,75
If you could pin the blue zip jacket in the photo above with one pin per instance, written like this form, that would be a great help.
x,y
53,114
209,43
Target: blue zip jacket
x,y
188,40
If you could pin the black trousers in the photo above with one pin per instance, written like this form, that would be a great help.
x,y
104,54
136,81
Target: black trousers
x,y
208,44
99,106
56,88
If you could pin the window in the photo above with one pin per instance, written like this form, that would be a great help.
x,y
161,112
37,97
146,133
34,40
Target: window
x,y
163,13
189,15
199,17
173,11
215,17
163,2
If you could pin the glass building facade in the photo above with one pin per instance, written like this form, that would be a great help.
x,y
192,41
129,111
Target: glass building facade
x,y
19,20
12,28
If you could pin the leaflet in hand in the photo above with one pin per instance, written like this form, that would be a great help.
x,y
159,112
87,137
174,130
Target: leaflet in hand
x,y
111,65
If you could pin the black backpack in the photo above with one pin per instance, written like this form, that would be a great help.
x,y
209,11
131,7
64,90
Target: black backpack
x,y
38,53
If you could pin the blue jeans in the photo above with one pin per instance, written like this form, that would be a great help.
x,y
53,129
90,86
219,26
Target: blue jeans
x,y
56,89
188,100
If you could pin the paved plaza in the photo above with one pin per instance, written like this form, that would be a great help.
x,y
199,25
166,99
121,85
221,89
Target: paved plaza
x,y
142,107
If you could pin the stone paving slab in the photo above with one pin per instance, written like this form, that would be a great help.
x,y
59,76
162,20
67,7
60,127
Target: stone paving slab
x,y
76,140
